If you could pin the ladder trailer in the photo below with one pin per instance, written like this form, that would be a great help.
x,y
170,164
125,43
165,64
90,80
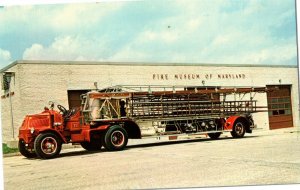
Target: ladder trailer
x,y
108,118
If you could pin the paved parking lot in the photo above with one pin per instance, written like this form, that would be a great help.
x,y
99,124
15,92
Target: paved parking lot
x,y
268,157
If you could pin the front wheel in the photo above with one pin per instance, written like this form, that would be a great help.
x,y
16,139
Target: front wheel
x,y
238,130
115,138
25,151
47,145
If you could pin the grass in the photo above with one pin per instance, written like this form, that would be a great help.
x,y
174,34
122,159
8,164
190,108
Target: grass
x,y
7,150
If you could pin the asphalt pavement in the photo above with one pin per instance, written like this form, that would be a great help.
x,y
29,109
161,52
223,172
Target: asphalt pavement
x,y
260,158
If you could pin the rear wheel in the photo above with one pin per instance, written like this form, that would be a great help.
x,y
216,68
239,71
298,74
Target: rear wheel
x,y
214,135
25,151
238,130
115,138
47,145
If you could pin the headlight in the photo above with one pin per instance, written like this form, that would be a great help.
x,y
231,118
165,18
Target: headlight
x,y
31,130
56,124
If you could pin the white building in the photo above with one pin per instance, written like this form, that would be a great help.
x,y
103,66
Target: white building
x,y
34,83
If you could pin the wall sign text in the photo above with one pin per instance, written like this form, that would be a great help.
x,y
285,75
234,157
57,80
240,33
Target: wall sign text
x,y
189,76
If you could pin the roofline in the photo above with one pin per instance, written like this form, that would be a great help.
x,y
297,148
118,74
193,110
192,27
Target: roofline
x,y
137,64
8,67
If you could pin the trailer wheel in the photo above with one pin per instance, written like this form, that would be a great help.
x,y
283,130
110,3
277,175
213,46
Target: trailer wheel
x,y
93,145
115,138
238,130
47,145
214,135
28,153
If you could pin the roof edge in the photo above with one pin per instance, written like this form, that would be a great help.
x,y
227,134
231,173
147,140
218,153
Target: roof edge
x,y
137,64
8,66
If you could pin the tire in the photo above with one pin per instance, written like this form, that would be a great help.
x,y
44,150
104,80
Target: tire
x,y
115,138
47,145
25,151
238,130
214,135
93,145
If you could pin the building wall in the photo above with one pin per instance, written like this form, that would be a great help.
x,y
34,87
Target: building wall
x,y
36,84
11,121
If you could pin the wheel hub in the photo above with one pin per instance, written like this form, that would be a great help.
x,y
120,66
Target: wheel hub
x,y
49,145
239,128
117,138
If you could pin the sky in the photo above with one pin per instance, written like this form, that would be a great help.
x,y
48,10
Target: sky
x,y
159,31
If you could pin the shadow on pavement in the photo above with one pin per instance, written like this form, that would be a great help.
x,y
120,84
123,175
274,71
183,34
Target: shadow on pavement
x,y
80,153
165,143
185,142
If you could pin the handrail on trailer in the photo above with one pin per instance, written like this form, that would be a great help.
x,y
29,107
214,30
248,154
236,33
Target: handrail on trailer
x,y
173,88
119,91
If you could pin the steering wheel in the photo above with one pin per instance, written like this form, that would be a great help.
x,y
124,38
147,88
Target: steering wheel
x,y
62,109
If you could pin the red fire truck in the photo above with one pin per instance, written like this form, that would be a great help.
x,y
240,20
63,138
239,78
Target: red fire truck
x,y
111,116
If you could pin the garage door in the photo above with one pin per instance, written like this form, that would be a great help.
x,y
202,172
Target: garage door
x,y
280,109
74,98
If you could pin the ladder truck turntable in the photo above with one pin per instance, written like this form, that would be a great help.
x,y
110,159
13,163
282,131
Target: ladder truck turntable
x,y
111,116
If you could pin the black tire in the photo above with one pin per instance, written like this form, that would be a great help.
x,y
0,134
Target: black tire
x,y
214,135
28,153
47,145
115,138
238,130
93,145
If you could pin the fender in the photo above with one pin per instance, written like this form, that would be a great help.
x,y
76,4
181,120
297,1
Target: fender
x,y
132,129
228,125
55,132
